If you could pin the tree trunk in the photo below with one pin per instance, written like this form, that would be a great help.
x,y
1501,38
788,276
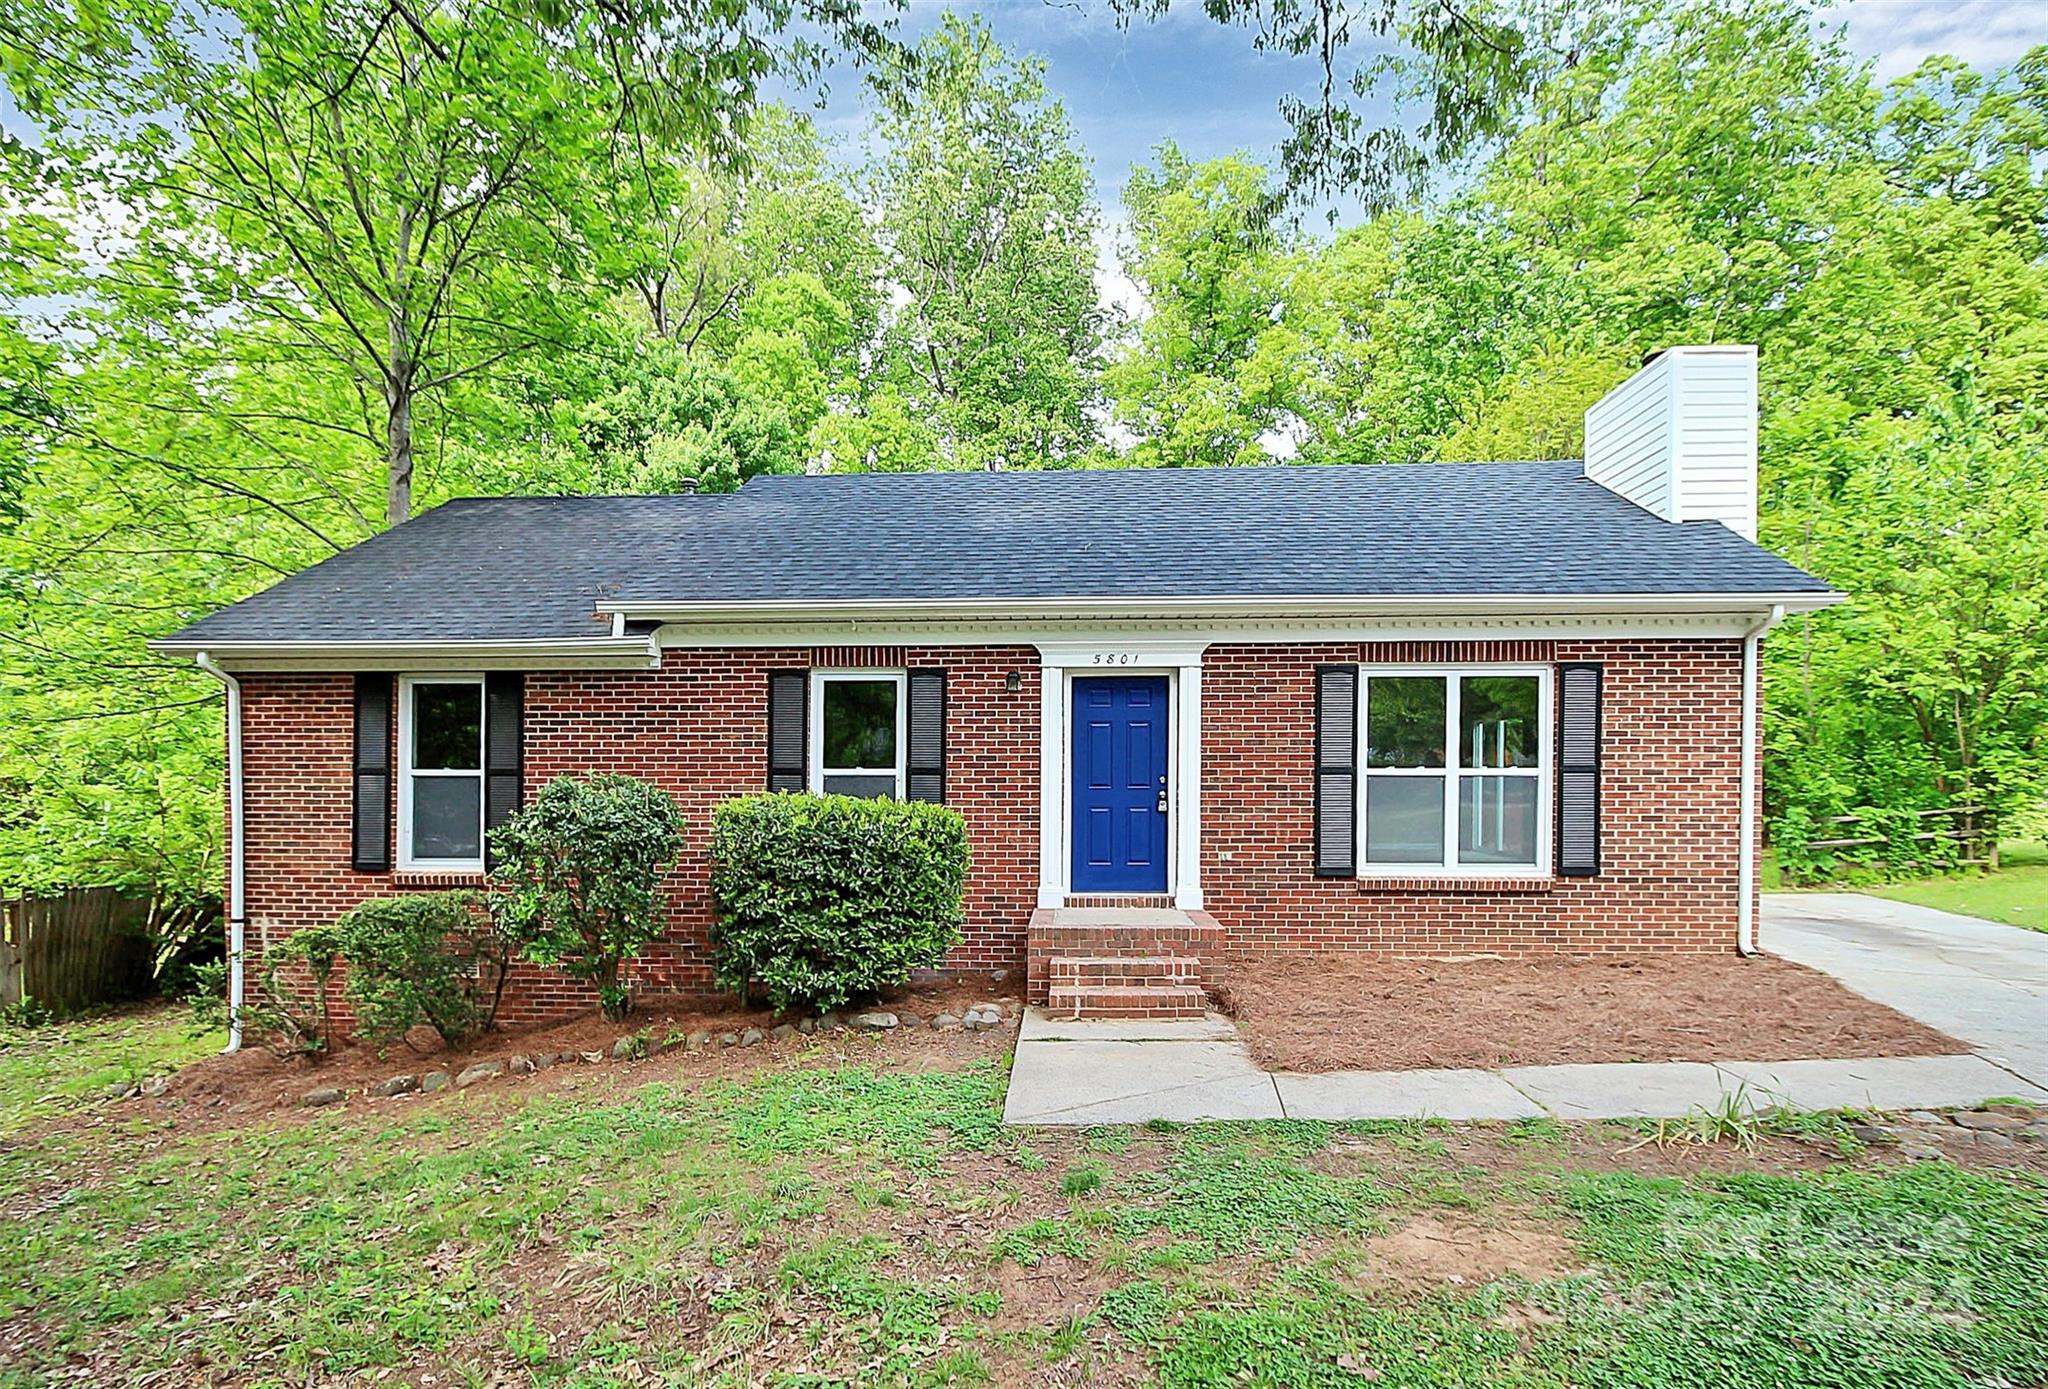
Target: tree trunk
x,y
398,452
613,1003
399,369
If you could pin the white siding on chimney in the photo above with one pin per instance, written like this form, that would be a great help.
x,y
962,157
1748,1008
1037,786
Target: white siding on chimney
x,y
1715,404
1678,438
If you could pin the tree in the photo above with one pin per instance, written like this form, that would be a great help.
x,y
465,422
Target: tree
x,y
989,232
676,424
1460,76
261,295
1263,343
1939,534
393,194
1208,253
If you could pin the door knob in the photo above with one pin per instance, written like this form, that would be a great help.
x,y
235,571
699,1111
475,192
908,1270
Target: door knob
x,y
1162,800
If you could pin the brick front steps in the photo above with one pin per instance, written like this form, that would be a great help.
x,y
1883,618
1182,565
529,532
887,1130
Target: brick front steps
x,y
1126,986
1121,962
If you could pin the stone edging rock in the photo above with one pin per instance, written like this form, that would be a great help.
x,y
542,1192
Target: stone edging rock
x,y
635,1046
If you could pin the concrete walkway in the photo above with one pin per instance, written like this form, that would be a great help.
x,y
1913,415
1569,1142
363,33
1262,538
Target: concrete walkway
x,y
1979,981
1983,983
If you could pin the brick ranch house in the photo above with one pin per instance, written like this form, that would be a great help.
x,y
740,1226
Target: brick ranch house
x,y
1186,714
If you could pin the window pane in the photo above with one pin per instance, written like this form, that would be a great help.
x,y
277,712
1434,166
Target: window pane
x,y
1497,819
447,817
874,788
448,727
1498,714
860,723
1404,819
1404,721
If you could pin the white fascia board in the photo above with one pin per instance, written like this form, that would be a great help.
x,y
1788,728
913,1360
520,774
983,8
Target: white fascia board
x,y
1153,636
543,653
1283,608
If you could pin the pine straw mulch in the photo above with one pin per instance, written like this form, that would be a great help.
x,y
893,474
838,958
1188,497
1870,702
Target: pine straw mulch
x,y
1375,1013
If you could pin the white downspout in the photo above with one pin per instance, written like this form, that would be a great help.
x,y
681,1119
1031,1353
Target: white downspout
x,y
236,910
1745,856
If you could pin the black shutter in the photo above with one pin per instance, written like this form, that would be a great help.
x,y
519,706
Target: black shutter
x,y
1336,771
927,761
504,751
788,735
371,852
1578,770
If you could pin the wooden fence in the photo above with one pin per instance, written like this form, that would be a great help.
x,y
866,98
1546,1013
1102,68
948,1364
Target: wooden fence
x,y
1968,826
87,946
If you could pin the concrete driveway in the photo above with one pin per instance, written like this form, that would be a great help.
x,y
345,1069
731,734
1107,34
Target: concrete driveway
x,y
1978,981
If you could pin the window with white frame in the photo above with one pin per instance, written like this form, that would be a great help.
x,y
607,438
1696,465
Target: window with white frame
x,y
1456,766
441,772
858,739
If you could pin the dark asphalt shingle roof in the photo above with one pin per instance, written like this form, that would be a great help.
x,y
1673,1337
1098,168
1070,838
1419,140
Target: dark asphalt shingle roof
x,y
521,567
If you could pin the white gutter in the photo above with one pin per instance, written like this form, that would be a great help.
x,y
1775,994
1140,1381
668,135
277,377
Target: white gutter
x,y
532,653
1745,854
237,912
1298,606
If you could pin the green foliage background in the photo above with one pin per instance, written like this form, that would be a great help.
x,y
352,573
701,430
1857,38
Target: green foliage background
x,y
677,285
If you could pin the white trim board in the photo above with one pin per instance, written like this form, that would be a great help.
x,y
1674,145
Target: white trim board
x,y
815,754
1222,606
1180,661
437,657
1453,771
1170,633
406,861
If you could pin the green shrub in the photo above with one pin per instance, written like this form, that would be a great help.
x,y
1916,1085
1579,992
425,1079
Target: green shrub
x,y
580,872
433,959
288,1018
822,899
205,996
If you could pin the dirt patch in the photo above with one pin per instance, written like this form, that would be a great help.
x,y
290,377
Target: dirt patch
x,y
1055,1291
1353,1012
1435,1249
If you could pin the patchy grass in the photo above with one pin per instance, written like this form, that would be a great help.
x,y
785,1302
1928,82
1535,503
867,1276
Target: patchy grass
x,y
863,1225
2017,894
48,1069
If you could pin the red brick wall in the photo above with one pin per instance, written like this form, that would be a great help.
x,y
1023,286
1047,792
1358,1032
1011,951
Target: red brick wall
x,y
1670,784
698,729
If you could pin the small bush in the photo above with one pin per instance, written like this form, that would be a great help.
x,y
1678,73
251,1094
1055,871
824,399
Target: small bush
x,y
822,899
285,1017
205,996
433,959
580,872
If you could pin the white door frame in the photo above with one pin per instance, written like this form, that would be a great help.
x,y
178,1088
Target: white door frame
x,y
1061,662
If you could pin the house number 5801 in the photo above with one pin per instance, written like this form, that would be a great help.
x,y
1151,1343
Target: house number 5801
x,y
1116,658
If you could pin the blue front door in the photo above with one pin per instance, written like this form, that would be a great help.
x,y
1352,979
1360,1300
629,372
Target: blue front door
x,y
1119,779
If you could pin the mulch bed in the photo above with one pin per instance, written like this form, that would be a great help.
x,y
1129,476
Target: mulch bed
x,y
225,1091
1372,1013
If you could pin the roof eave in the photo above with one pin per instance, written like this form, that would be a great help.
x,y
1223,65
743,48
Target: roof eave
x,y
1227,608
637,652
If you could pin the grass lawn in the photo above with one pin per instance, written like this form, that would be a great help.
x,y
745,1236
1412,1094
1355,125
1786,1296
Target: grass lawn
x,y
47,1070
857,1216
2016,894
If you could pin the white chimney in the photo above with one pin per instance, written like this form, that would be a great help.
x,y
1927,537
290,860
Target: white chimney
x,y
1679,437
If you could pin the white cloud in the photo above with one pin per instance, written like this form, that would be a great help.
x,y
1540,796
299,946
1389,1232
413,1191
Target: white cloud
x,y
1117,291
1897,34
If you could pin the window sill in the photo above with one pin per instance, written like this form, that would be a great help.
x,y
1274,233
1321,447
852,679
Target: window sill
x,y
1449,883
439,877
